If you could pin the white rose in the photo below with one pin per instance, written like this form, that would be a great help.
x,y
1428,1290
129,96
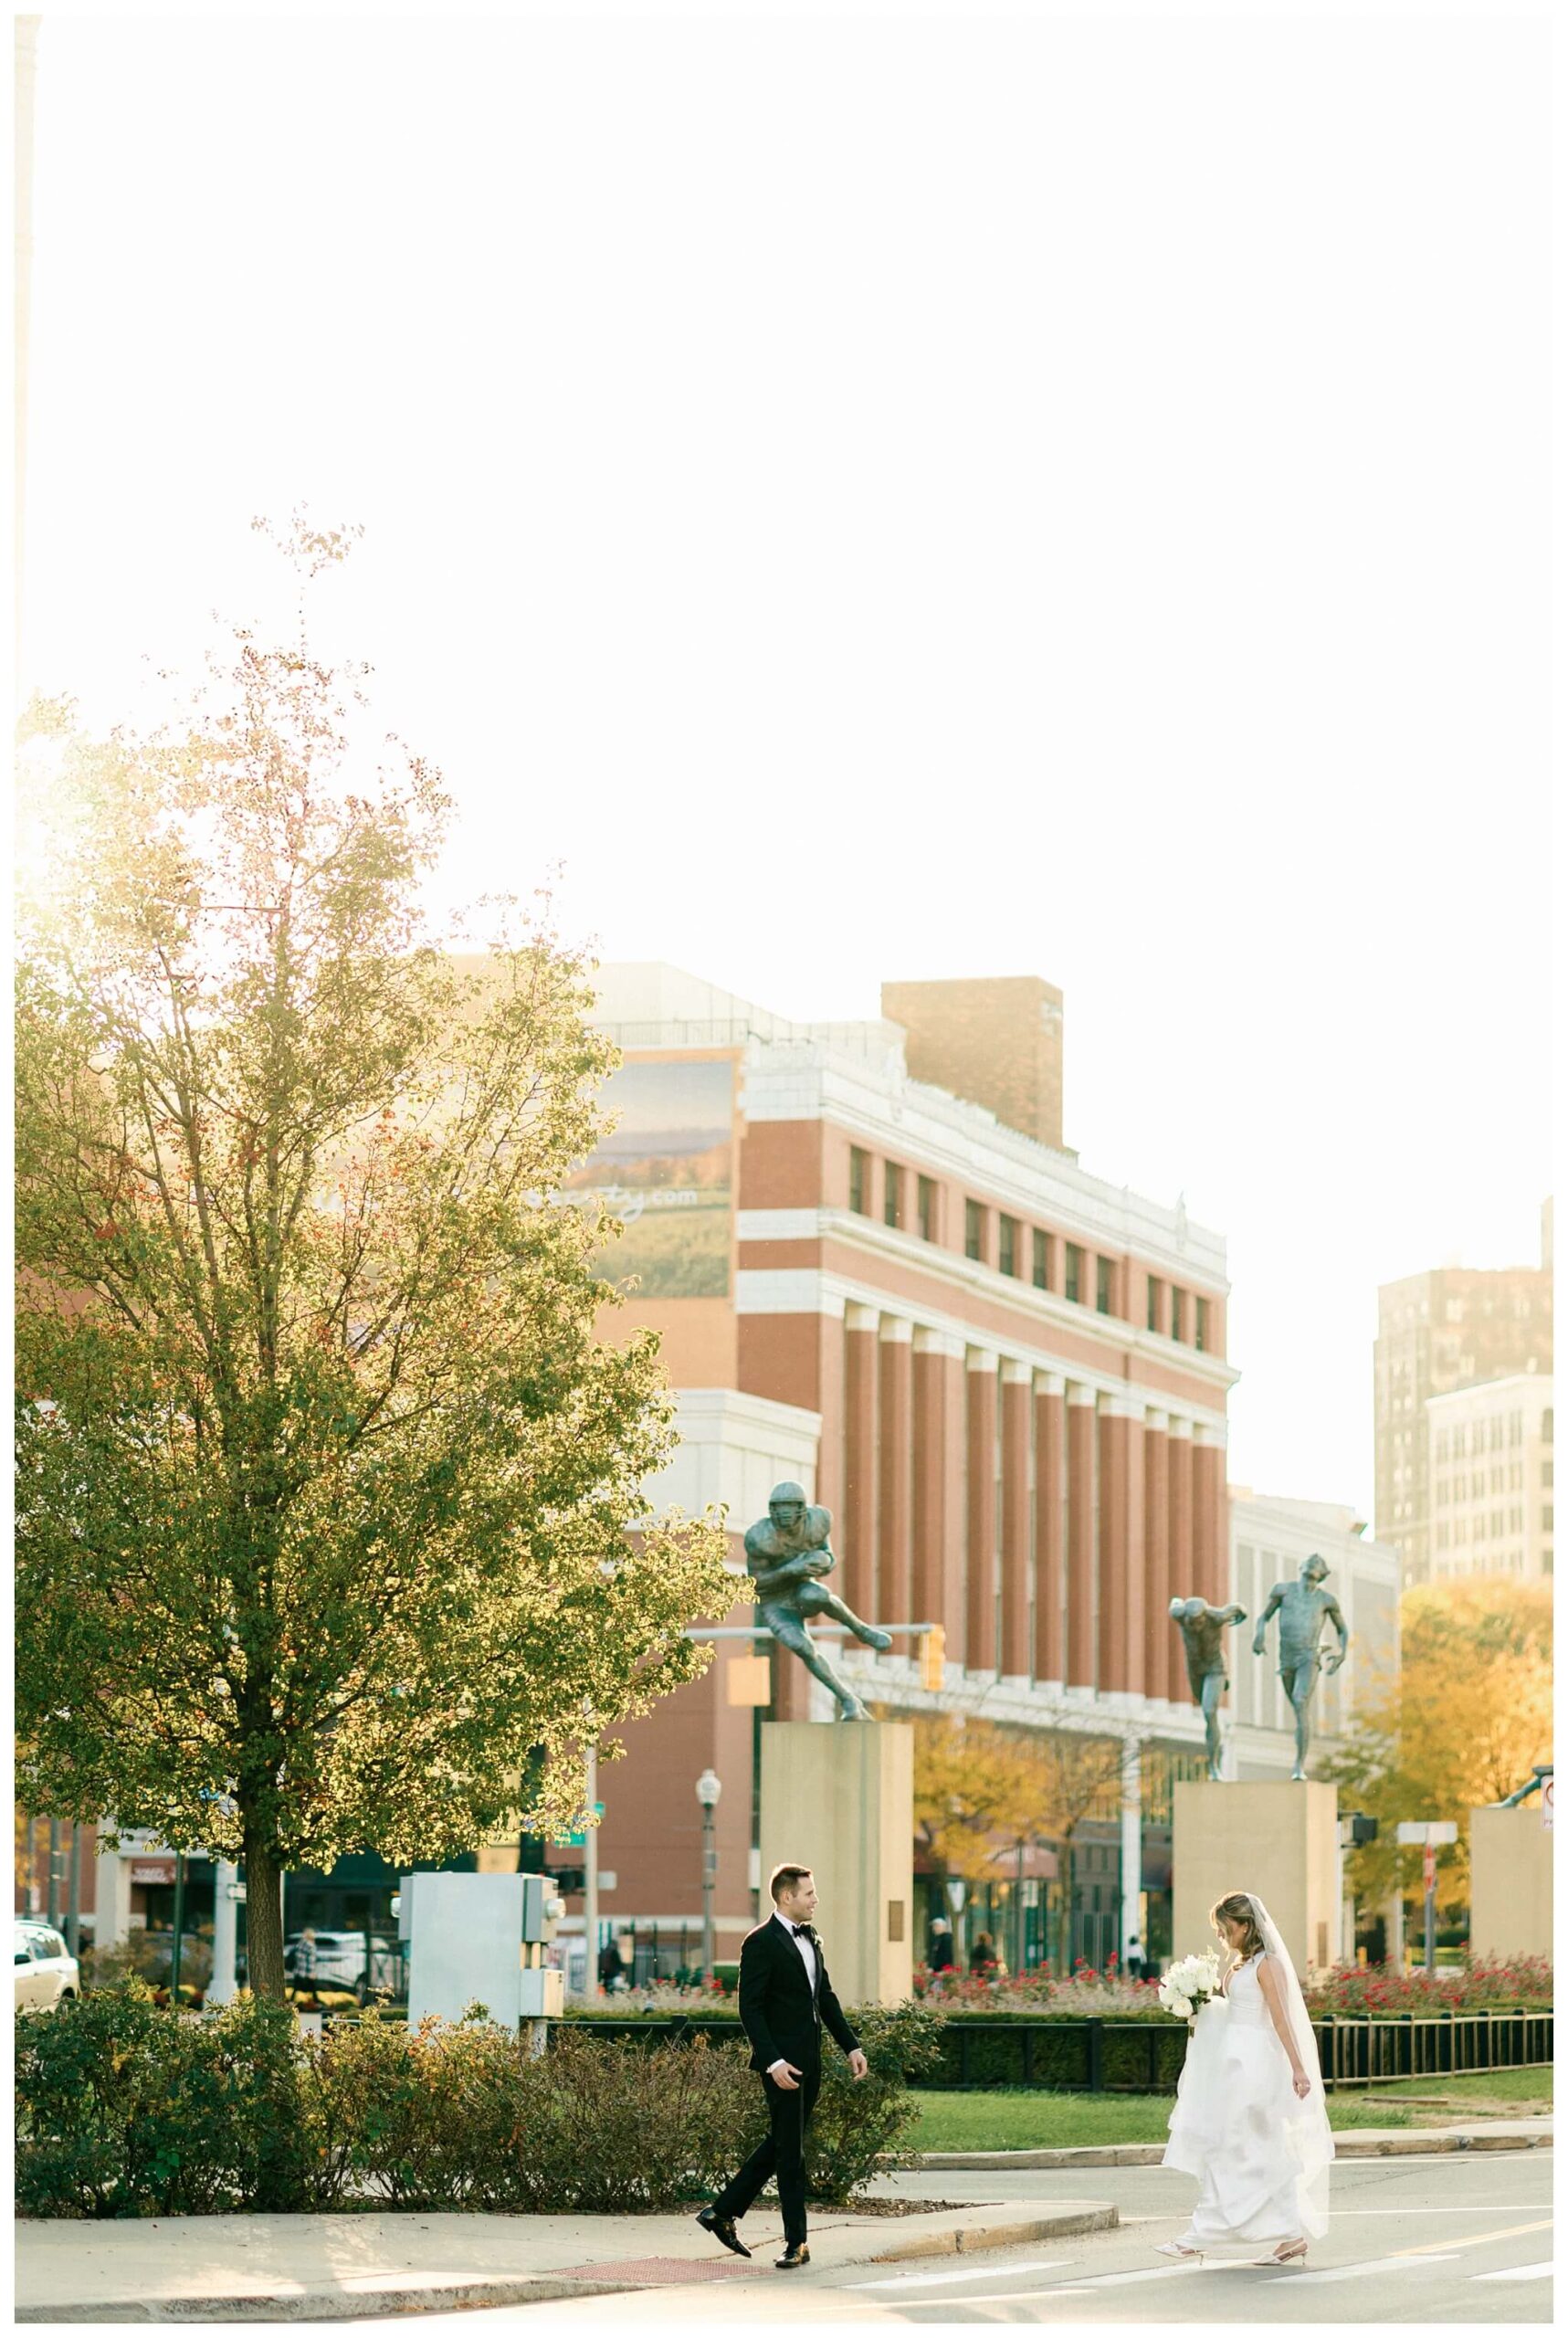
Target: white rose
x,y
1182,2008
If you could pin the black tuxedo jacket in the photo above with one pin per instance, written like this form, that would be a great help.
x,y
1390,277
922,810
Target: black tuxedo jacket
x,y
780,2014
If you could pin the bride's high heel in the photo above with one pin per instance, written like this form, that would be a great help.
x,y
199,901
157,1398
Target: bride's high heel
x,y
1288,2251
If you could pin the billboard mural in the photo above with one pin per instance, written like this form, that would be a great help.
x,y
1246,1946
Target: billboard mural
x,y
667,1171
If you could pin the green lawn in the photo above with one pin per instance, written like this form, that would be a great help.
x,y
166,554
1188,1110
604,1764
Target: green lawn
x,y
1017,2119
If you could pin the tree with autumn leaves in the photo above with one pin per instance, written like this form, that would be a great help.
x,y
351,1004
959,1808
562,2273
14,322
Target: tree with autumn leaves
x,y
1463,1724
980,1786
326,1487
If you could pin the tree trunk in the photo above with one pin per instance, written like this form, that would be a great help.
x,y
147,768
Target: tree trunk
x,y
263,1918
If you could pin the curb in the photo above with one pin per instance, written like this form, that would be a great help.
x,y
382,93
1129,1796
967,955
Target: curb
x,y
330,2305
850,2247
1393,2144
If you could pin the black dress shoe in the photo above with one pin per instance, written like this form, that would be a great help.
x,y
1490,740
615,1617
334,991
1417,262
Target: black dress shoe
x,y
723,2229
795,2254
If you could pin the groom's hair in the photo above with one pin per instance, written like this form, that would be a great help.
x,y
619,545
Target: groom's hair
x,y
785,1879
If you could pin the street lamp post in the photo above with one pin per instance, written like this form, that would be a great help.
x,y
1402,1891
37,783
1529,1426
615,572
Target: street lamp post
x,y
707,1792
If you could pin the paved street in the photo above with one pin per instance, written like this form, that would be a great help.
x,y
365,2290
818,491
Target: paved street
x,y
1445,2239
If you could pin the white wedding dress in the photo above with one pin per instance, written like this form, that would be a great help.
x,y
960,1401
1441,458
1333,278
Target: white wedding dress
x,y
1260,2153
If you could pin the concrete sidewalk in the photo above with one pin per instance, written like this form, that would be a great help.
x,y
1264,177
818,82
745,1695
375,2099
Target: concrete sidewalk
x,y
1357,2143
323,2269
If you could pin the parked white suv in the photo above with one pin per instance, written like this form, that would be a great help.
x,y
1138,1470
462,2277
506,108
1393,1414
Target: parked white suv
x,y
46,1969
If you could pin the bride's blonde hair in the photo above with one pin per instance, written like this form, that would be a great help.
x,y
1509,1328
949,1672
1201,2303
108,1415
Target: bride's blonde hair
x,y
1236,1908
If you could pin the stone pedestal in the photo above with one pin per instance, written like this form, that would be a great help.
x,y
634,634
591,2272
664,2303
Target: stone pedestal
x,y
1278,1841
838,1797
1511,1882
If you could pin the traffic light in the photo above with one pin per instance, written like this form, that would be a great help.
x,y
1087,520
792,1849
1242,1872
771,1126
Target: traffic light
x,y
933,1657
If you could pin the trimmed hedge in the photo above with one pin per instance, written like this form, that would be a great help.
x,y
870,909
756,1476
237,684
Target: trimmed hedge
x,y
124,2109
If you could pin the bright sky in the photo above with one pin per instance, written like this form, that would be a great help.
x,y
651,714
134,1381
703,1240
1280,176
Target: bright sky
x,y
878,495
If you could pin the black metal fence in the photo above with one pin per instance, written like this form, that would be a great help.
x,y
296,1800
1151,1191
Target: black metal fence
x,y
1105,2057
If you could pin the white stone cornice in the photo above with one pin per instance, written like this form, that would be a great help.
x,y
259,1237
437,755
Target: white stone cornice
x,y
898,1331
1016,1374
871,1098
970,1278
1077,1393
929,1341
1049,1384
1210,1433
806,1290
777,1225
1122,1406
981,1360
1178,1424
1155,1419
860,1318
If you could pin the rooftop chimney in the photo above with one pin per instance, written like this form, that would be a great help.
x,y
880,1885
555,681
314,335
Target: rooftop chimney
x,y
996,1042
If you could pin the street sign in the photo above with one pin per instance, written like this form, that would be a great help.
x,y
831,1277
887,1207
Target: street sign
x,y
1428,1830
579,1841
1430,1869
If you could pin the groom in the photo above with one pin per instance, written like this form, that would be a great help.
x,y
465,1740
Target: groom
x,y
785,1999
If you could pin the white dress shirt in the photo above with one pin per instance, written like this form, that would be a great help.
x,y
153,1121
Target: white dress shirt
x,y
808,1958
808,1953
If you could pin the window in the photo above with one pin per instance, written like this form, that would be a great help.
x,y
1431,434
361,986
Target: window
x,y
1007,1245
1546,1425
1102,1271
1042,1260
973,1230
1074,1272
1546,1472
892,1193
1178,1309
1546,1518
925,1207
1152,1286
1201,1324
859,1181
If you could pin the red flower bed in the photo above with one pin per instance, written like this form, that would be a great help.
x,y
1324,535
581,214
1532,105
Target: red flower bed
x,y
1500,1984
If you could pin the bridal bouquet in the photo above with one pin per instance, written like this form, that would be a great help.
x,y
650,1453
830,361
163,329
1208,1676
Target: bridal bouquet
x,y
1189,1984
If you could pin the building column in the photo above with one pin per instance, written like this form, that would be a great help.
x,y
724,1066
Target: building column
x,y
939,1523
1017,1382
1137,1590
1131,1848
1050,1527
856,1548
979,1604
1158,1629
894,1487
1080,1537
111,1898
221,1989
1183,1581
1113,1569
1211,1560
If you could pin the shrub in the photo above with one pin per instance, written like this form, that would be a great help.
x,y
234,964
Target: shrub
x,y
123,2109
862,2126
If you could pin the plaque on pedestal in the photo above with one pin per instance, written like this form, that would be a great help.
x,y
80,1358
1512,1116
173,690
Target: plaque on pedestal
x,y
1278,1841
839,1799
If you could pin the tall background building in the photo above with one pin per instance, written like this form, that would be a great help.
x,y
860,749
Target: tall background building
x,y
1449,1328
1491,1468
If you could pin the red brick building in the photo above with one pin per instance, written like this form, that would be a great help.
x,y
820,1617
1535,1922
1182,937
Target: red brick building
x,y
876,1268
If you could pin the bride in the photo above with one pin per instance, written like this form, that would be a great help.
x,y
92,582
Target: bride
x,y
1250,2121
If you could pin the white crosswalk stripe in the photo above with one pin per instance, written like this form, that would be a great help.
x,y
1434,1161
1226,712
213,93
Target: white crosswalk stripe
x,y
1519,2273
1374,2265
966,2274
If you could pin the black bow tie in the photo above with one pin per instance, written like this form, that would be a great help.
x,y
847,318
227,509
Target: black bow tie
x,y
801,1932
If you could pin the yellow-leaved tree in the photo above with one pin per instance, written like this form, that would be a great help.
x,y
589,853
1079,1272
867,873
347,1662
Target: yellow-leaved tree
x,y
1467,1718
